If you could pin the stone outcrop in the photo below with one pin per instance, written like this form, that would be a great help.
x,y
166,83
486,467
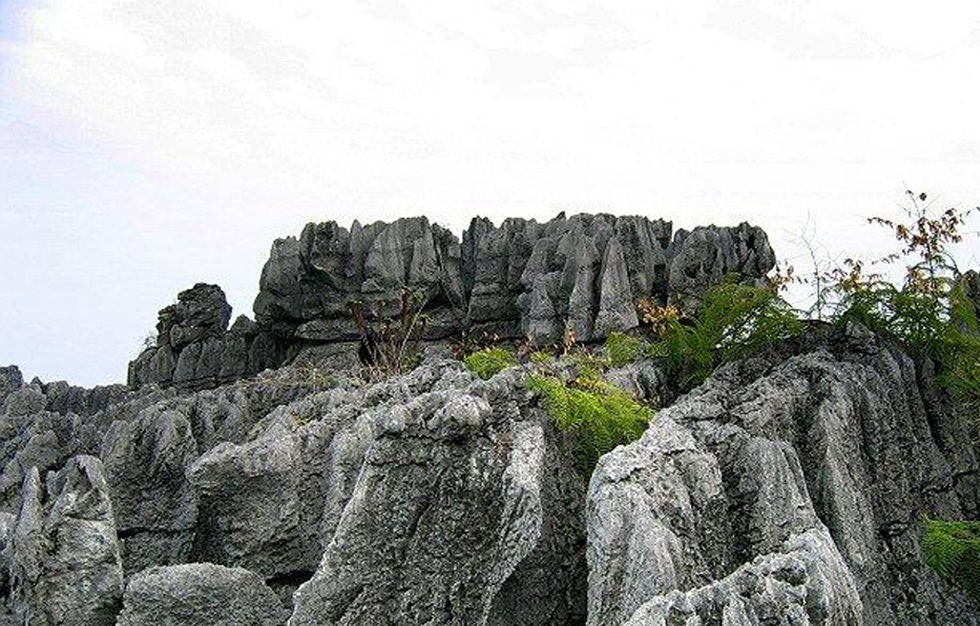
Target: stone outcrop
x,y
784,492
465,510
247,478
195,348
63,553
523,279
200,594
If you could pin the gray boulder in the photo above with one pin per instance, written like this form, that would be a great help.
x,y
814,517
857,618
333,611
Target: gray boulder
x,y
156,509
26,400
706,255
464,510
200,312
789,492
195,349
43,440
199,594
10,380
63,555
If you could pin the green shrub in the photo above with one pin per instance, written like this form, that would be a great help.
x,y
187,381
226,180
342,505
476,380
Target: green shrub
x,y
588,364
623,349
930,313
489,361
952,548
602,415
735,321
541,357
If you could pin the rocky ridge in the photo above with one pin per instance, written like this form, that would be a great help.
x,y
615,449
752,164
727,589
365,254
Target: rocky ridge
x,y
519,280
787,489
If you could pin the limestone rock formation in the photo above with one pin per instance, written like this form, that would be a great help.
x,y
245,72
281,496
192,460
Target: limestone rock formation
x,y
146,459
464,511
250,475
200,594
63,553
582,274
194,347
790,491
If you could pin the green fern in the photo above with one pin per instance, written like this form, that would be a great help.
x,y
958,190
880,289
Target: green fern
x,y
489,361
735,321
952,548
623,349
602,415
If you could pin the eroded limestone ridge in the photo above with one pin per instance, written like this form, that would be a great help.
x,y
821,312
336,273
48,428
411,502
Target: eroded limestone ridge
x,y
522,279
788,489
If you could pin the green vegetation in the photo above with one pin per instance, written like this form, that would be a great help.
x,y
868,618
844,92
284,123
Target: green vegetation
x,y
487,362
930,313
623,348
735,321
952,548
541,357
602,415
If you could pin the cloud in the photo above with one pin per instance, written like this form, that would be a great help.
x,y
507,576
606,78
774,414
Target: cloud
x,y
231,122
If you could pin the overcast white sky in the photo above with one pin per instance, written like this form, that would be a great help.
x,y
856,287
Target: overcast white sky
x,y
147,145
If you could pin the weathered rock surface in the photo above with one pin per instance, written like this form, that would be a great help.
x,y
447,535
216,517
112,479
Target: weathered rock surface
x,y
463,511
194,347
583,273
523,279
787,492
706,255
10,381
63,554
200,594
156,510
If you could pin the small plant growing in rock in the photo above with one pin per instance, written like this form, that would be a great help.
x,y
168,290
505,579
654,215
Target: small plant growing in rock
x,y
602,415
390,343
624,349
952,548
930,312
489,361
656,317
541,357
735,321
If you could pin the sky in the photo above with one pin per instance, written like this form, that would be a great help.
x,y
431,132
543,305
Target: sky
x,y
148,145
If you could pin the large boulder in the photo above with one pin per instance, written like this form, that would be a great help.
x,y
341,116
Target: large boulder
x,y
465,509
194,347
10,380
200,594
41,440
63,554
787,491
200,312
156,510
707,255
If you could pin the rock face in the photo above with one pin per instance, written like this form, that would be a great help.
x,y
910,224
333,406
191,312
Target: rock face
x,y
194,347
63,555
460,485
245,478
200,594
788,492
462,513
583,274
